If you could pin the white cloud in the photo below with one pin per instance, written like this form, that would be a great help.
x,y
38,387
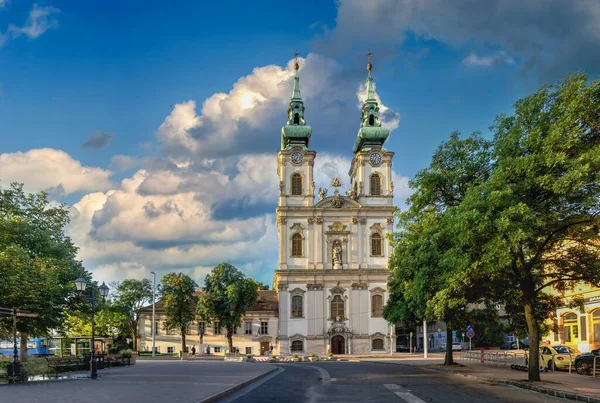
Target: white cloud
x,y
41,19
496,59
52,170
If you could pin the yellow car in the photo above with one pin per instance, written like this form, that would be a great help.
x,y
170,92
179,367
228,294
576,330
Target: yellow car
x,y
560,355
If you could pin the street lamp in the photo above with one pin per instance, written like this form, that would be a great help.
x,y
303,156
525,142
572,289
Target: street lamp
x,y
153,315
80,285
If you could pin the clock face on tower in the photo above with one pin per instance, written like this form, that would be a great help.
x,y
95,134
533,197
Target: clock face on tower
x,y
297,157
375,159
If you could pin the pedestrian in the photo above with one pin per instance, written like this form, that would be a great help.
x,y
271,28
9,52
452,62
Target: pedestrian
x,y
193,351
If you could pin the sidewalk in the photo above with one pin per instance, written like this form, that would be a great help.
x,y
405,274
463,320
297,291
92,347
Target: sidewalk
x,y
560,383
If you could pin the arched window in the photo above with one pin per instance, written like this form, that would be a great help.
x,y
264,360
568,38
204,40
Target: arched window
x,y
297,306
297,245
570,327
296,184
376,245
296,119
297,345
377,305
377,344
371,120
337,307
596,325
375,185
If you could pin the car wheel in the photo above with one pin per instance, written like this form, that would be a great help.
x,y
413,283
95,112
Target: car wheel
x,y
549,366
582,368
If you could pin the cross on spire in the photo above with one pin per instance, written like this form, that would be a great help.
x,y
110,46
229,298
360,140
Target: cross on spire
x,y
296,65
369,65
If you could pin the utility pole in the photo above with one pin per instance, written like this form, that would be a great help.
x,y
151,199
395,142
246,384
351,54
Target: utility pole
x,y
425,339
153,314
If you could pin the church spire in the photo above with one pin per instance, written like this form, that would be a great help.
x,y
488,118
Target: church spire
x,y
295,132
371,134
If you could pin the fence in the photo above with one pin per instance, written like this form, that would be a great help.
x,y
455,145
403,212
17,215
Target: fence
x,y
497,358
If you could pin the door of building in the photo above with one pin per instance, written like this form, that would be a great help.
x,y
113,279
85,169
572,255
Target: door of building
x,y
338,345
264,347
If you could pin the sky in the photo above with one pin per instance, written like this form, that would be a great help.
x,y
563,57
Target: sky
x,y
158,123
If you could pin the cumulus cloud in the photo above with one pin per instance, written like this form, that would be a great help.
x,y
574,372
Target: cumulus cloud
x,y
97,140
552,37
494,60
40,20
51,170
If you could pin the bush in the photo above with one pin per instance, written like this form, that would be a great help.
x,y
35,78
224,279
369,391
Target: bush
x,y
330,354
314,355
35,366
126,353
249,356
295,356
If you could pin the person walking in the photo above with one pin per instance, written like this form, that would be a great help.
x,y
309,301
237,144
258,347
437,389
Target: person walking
x,y
193,351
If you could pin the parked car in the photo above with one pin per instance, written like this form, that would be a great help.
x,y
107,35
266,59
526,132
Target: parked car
x,y
561,355
585,362
455,346
401,348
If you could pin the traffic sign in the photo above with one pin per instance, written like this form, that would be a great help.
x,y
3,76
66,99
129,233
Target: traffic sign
x,y
454,333
470,334
439,335
469,327
463,334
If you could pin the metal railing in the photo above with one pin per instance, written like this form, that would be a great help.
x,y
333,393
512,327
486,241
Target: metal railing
x,y
553,361
490,357
594,366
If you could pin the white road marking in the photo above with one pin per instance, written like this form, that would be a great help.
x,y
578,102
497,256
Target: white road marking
x,y
325,378
404,394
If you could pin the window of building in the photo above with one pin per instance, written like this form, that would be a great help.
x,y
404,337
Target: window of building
x,y
297,345
156,327
377,305
296,184
297,245
217,328
376,245
377,344
570,328
264,327
248,350
337,307
596,325
371,120
297,306
217,349
375,185
296,119
170,350
248,328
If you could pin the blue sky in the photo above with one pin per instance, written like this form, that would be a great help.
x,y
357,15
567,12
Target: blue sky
x,y
164,184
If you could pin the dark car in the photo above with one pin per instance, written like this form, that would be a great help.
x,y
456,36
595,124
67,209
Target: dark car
x,y
401,348
584,364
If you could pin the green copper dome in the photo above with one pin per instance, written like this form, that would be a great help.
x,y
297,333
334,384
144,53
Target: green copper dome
x,y
296,132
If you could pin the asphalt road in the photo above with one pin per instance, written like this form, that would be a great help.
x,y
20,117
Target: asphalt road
x,y
346,382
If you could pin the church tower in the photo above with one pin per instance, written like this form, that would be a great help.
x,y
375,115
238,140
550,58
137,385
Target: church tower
x,y
371,168
295,161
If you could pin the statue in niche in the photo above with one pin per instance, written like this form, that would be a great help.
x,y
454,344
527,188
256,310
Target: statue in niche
x,y
337,254
322,193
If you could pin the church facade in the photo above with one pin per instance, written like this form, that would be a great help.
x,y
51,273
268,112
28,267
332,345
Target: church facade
x,y
332,273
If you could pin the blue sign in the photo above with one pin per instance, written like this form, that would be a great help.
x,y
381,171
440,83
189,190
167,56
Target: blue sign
x,y
454,333
469,327
463,334
439,335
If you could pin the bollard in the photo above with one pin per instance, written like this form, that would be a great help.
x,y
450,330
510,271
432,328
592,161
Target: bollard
x,y
181,355
482,359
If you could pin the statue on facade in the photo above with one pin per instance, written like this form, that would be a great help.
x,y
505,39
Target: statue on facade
x,y
337,254
322,193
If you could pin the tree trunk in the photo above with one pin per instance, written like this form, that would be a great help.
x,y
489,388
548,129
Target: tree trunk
x,y
134,334
534,342
182,341
23,352
448,360
230,340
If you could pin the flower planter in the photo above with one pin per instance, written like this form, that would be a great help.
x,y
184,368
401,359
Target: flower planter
x,y
313,359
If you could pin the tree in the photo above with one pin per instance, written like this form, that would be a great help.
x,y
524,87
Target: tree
x,y
178,296
226,297
262,286
489,331
424,254
109,318
533,225
37,262
132,296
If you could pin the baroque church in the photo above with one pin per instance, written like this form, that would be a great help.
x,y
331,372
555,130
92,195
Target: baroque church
x,y
333,252
330,285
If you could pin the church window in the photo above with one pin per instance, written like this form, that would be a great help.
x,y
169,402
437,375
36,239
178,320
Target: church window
x,y
264,327
337,307
297,245
371,120
377,344
248,328
297,306
297,346
375,185
377,306
376,245
296,119
296,184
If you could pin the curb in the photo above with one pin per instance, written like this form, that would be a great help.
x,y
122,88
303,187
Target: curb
x,y
534,388
235,388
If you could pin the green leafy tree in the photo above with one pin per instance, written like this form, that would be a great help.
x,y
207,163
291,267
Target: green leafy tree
x,y
131,296
425,255
533,225
226,297
109,318
262,286
37,262
178,296
489,330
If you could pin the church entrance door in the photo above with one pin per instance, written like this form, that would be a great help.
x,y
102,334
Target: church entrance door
x,y
264,347
338,345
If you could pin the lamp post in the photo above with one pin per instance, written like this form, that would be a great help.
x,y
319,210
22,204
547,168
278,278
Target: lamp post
x,y
80,284
153,315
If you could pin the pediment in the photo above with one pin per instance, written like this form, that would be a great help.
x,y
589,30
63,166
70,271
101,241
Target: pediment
x,y
337,201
